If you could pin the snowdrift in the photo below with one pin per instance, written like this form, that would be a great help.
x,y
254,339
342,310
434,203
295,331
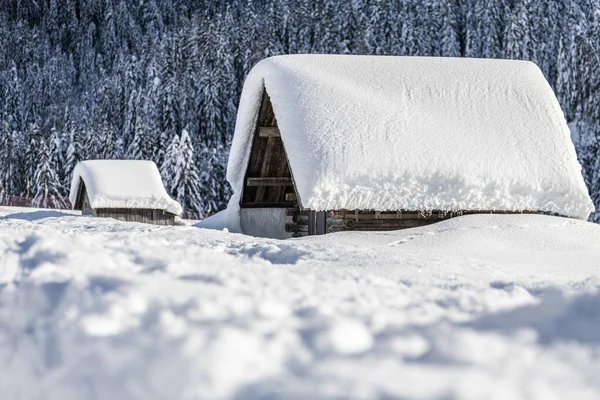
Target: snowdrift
x,y
477,307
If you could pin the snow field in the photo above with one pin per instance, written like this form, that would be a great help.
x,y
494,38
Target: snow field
x,y
487,306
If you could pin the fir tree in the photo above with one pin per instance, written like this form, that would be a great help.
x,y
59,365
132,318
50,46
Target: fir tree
x,y
72,157
46,188
135,149
168,169
9,165
31,158
448,44
565,77
180,173
187,189
169,104
517,43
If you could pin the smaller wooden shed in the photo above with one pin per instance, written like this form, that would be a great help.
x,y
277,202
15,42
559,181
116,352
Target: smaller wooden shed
x,y
127,190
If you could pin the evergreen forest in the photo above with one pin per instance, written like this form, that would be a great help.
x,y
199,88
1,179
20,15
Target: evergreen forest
x,y
161,79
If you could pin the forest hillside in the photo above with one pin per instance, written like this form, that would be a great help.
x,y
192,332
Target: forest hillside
x,y
160,80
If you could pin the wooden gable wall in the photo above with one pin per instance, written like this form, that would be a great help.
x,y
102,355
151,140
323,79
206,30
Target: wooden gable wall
x,y
268,182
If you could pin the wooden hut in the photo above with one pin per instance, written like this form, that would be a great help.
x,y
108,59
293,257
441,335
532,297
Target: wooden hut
x,y
337,143
127,190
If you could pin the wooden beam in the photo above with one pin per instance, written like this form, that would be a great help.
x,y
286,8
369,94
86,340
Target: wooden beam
x,y
291,197
282,204
269,182
268,132
364,215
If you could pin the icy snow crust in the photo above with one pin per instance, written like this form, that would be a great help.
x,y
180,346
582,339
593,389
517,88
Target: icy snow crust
x,y
477,307
123,184
413,133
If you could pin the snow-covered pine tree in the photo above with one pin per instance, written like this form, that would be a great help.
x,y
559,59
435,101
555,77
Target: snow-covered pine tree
x,y
168,97
348,25
212,119
152,22
31,158
373,37
274,29
74,154
104,141
149,125
135,150
168,169
55,150
407,31
46,187
517,35
213,161
469,27
187,187
9,163
109,39
422,40
252,36
565,76
130,118
326,31
489,27
446,42
230,86
546,33
5,162
180,173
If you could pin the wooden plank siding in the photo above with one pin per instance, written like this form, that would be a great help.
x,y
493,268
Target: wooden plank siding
x,y
147,216
308,222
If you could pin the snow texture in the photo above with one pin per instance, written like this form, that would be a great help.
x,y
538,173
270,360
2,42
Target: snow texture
x,y
415,133
263,222
477,307
122,184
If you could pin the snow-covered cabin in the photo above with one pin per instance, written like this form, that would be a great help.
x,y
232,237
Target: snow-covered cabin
x,y
330,142
128,190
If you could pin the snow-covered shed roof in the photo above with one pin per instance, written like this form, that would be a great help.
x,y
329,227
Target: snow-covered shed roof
x,y
415,133
122,184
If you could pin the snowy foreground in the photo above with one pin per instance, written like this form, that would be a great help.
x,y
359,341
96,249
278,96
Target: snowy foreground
x,y
503,307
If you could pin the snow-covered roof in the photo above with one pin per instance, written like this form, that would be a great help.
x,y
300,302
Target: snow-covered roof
x,y
122,184
415,133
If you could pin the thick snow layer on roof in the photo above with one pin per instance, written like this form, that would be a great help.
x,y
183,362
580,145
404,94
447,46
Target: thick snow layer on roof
x,y
122,184
416,133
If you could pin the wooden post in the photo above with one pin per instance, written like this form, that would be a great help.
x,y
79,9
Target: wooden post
x,y
317,222
321,222
312,225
